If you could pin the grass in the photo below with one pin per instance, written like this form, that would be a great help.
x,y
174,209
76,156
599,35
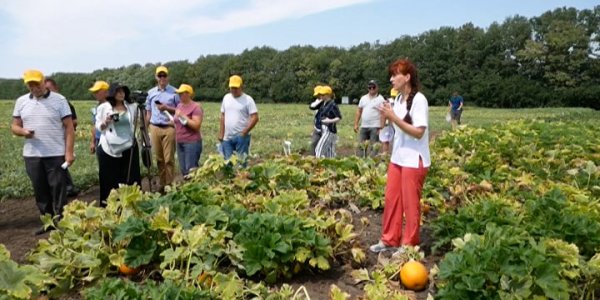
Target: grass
x,y
278,122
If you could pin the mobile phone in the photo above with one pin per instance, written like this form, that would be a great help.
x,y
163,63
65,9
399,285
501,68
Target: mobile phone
x,y
157,102
31,131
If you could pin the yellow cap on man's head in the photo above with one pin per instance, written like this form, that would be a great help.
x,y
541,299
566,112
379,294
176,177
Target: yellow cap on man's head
x,y
326,90
162,69
185,88
99,85
235,81
33,75
317,90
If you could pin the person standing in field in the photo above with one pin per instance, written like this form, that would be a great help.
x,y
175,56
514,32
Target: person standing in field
x,y
330,115
455,108
118,154
387,133
239,115
51,85
188,121
409,162
44,119
370,118
160,108
315,105
100,92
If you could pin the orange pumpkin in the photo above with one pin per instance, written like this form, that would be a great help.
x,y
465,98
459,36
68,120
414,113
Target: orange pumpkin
x,y
414,275
205,279
126,270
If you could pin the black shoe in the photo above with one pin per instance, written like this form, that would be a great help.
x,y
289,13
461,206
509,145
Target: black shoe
x,y
43,230
72,191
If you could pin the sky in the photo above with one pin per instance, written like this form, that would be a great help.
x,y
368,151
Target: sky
x,y
86,35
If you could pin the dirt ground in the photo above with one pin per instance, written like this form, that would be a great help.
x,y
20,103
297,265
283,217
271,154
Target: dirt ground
x,y
19,219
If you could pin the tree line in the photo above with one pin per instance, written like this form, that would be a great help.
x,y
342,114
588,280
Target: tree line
x,y
549,60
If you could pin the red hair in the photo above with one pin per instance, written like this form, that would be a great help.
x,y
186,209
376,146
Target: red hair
x,y
405,67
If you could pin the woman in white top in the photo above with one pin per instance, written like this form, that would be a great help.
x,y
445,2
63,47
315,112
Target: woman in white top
x,y
410,160
118,154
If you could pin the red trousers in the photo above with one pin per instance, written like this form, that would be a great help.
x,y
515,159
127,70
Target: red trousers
x,y
403,203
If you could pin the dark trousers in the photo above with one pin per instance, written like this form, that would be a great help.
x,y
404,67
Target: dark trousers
x,y
114,170
49,182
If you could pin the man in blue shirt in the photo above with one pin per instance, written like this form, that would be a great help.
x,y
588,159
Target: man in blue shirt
x,y
455,106
160,107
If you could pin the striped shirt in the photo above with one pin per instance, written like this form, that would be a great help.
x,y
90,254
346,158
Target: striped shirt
x,y
44,116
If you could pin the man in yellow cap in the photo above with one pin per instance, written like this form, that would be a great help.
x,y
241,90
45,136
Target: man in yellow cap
x,y
100,92
238,116
160,107
43,118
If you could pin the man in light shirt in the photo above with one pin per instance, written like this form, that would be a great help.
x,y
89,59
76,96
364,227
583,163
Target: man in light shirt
x,y
371,121
43,118
238,116
160,108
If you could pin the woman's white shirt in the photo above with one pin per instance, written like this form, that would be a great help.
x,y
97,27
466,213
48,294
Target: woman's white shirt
x,y
407,149
105,109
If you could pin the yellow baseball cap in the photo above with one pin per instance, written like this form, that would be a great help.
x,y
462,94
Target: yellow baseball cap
x,y
393,92
326,90
235,81
33,75
317,90
185,88
161,69
99,85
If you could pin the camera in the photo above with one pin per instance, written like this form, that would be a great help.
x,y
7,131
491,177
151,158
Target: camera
x,y
139,97
115,117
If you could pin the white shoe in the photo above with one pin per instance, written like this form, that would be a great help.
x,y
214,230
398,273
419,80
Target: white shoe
x,y
399,252
379,247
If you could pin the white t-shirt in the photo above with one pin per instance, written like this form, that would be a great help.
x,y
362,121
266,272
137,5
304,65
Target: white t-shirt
x,y
408,149
237,113
370,117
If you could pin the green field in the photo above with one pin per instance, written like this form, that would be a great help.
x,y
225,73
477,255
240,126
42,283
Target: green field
x,y
278,122
509,209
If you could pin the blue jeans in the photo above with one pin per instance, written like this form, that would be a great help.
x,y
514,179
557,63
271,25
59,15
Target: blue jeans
x,y
188,155
239,144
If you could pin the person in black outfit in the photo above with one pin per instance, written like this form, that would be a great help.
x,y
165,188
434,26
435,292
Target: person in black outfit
x,y
51,85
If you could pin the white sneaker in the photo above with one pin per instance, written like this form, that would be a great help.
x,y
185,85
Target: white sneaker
x,y
399,252
379,247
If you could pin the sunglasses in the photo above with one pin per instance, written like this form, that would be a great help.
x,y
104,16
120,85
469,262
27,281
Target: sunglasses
x,y
372,87
161,75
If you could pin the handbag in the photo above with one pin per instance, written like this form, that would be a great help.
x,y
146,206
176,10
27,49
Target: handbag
x,y
116,143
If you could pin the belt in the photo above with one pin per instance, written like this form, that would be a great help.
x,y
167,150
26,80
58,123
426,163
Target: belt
x,y
161,125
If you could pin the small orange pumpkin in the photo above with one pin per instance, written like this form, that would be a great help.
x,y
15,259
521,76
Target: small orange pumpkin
x,y
205,279
414,275
126,270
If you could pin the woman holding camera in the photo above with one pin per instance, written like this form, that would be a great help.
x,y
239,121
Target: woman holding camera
x,y
118,156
